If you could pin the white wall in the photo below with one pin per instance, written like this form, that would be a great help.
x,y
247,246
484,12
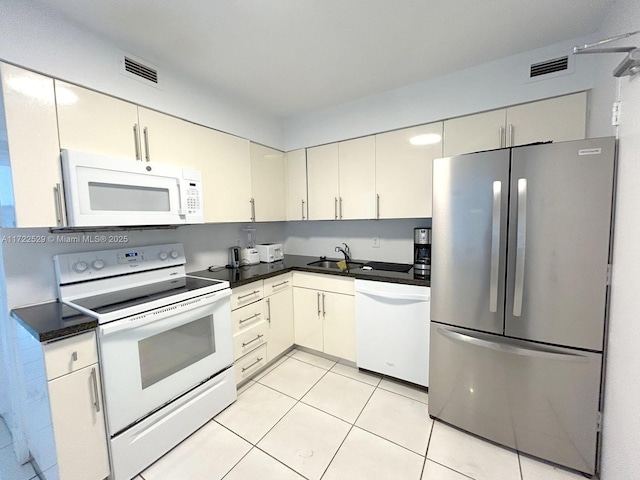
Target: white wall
x,y
34,37
321,238
621,430
485,87
29,267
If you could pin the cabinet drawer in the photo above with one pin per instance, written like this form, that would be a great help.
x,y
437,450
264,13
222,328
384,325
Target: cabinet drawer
x,y
246,294
250,363
328,283
71,354
249,339
246,317
277,284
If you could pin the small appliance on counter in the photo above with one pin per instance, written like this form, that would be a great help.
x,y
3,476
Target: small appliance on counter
x,y
249,256
422,250
270,252
234,257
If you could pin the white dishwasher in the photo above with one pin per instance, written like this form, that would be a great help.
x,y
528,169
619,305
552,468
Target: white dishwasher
x,y
392,329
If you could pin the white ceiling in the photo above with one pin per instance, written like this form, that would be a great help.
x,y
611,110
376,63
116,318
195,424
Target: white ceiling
x,y
289,57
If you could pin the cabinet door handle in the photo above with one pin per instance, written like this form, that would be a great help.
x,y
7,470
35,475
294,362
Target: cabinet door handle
x,y
147,153
303,217
324,311
74,356
255,315
94,379
501,139
510,136
340,208
269,310
136,141
378,205
335,208
258,337
244,369
319,304
255,292
253,209
57,190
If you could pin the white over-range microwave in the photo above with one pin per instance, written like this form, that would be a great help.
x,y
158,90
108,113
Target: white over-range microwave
x,y
107,191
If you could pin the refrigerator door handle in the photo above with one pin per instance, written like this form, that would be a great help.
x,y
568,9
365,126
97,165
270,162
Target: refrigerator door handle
x,y
495,246
521,244
531,351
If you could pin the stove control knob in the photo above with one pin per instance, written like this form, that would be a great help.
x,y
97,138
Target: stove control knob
x,y
98,264
80,267
163,255
174,254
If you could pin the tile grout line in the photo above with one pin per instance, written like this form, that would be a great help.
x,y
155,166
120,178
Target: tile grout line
x,y
424,464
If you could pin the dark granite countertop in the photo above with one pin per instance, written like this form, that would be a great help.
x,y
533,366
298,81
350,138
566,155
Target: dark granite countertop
x,y
250,273
53,320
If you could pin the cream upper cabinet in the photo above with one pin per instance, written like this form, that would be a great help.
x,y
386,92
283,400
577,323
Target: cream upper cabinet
x,y
171,141
296,180
226,178
97,123
403,171
268,183
357,178
30,155
473,133
556,119
322,176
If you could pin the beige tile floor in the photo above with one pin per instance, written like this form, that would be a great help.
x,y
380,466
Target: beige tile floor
x,y
311,418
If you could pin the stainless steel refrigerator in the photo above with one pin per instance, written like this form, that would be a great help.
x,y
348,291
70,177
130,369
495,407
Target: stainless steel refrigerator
x,y
519,287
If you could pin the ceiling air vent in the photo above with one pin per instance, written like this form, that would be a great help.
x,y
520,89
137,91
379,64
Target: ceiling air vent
x,y
550,66
138,69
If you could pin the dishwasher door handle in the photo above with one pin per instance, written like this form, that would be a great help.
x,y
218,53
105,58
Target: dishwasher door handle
x,y
394,296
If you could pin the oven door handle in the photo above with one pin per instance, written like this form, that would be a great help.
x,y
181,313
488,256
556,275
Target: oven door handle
x,y
153,316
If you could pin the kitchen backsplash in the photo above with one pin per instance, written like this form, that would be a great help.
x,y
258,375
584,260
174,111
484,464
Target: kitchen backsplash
x,y
28,252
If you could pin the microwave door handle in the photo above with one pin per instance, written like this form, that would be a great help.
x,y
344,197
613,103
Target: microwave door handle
x,y
183,198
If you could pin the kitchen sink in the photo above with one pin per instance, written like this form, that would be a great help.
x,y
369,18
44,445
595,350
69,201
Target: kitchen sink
x,y
333,264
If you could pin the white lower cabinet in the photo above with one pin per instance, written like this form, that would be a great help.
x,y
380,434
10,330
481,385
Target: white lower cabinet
x,y
324,314
262,319
278,305
77,410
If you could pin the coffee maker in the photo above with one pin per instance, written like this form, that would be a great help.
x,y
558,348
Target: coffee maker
x,y
422,250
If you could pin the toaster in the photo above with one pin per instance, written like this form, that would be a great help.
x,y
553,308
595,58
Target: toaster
x,y
249,256
270,252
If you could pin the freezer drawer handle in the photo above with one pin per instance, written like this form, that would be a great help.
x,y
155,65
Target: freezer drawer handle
x,y
495,246
521,244
540,352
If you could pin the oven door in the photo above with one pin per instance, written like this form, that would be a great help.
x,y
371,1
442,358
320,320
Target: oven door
x,y
149,359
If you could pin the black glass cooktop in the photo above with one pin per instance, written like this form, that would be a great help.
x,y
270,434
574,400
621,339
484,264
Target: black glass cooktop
x,y
131,297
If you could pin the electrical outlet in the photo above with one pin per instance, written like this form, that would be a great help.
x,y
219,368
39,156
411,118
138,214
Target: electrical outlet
x,y
376,242
238,241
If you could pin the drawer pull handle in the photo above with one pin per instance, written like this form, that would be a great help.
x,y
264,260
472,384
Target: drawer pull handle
x,y
74,356
255,292
244,369
250,318
94,378
280,284
258,337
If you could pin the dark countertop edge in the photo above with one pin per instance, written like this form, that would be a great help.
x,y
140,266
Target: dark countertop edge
x,y
44,321
301,266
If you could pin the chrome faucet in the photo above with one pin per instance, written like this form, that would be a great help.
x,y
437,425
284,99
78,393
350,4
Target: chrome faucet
x,y
346,252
